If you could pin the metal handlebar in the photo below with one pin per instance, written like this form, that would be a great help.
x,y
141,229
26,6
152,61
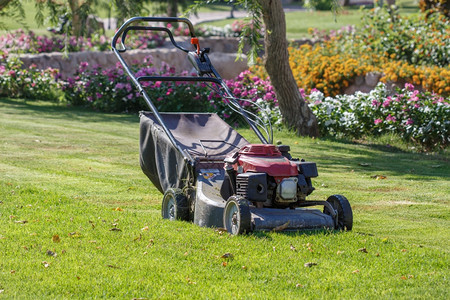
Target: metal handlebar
x,y
126,27
198,58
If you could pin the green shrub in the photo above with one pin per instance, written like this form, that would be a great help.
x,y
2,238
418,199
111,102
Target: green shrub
x,y
419,117
31,83
111,90
321,4
442,6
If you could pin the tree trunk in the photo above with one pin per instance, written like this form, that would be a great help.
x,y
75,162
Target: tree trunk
x,y
77,22
172,8
295,111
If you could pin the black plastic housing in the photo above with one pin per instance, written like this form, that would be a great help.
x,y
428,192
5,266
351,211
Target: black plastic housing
x,y
308,169
252,186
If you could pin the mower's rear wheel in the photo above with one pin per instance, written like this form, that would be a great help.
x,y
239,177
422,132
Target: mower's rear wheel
x,y
237,218
175,205
344,212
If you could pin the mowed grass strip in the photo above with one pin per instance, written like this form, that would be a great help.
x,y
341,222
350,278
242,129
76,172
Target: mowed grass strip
x,y
78,219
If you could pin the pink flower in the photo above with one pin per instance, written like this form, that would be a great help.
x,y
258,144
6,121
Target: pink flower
x,y
409,86
391,118
98,95
378,121
409,122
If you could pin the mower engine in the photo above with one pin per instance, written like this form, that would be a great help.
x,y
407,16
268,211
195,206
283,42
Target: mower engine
x,y
268,176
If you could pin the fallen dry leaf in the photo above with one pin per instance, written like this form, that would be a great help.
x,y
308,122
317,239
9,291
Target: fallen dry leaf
x,y
282,227
363,250
51,253
404,250
356,271
12,271
75,234
224,263
118,209
113,266
56,239
298,285
46,264
21,222
145,228
378,177
244,268
340,252
378,254
310,264
292,248
190,281
227,255
136,239
220,231
115,229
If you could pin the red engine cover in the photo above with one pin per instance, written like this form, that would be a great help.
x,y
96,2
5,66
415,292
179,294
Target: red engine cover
x,y
261,158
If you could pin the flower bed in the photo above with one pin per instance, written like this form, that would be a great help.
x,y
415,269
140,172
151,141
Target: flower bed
x,y
413,50
21,42
420,117
27,83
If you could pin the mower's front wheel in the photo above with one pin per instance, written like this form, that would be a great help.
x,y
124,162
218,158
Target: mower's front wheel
x,y
344,219
237,218
175,205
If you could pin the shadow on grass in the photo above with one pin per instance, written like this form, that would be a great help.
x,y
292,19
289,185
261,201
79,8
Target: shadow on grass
x,y
337,154
292,233
371,157
55,110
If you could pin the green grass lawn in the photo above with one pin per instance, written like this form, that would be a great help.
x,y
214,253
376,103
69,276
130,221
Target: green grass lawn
x,y
78,219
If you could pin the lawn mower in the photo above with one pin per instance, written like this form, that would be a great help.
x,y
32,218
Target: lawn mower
x,y
210,174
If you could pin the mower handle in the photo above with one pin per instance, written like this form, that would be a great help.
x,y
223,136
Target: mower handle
x,y
198,58
127,26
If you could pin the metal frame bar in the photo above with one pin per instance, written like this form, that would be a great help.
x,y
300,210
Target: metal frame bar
x,y
213,78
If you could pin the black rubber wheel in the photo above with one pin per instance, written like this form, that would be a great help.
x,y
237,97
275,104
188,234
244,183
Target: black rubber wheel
x,y
175,206
344,211
237,218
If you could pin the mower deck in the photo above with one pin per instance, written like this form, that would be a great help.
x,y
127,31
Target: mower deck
x,y
209,208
